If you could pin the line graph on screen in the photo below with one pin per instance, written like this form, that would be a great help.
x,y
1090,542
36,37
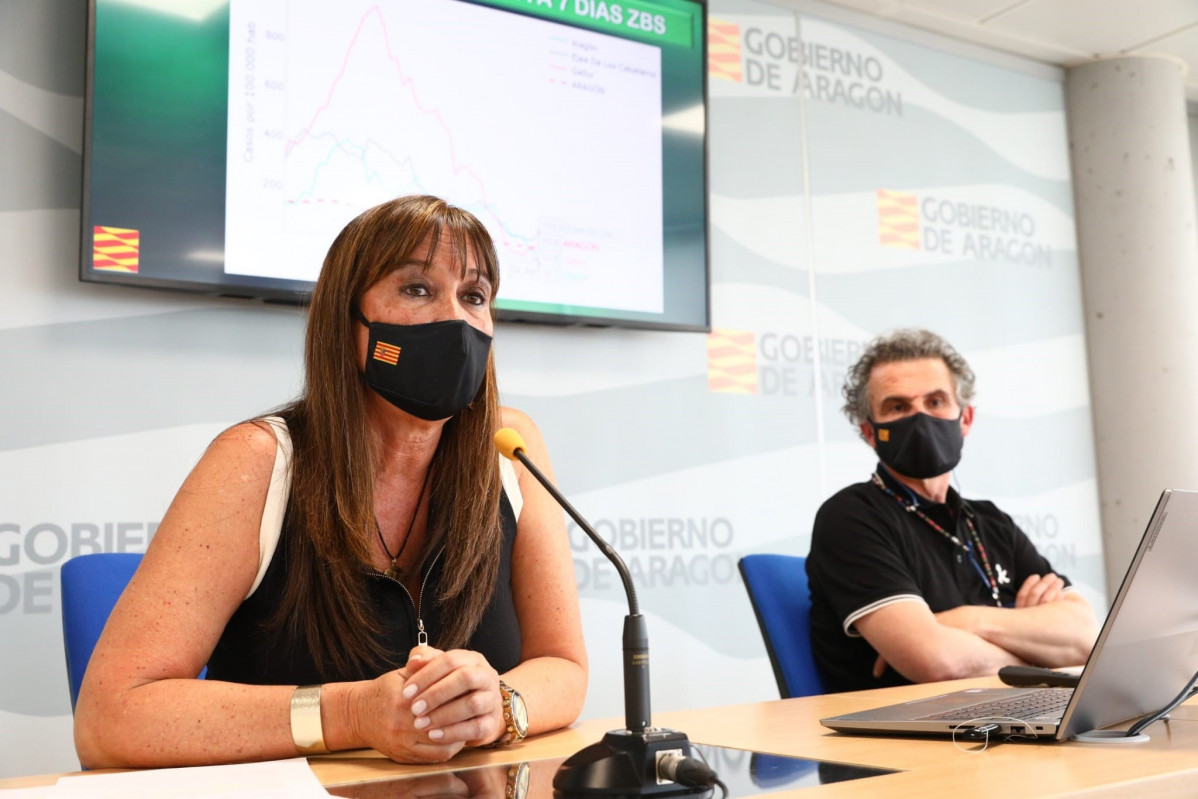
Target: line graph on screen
x,y
535,128
373,162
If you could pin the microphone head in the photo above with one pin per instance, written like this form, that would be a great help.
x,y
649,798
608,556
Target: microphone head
x,y
508,441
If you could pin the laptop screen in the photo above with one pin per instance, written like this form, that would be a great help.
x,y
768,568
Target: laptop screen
x,y
1148,648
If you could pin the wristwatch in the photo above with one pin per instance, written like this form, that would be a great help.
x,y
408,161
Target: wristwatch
x,y
515,715
517,781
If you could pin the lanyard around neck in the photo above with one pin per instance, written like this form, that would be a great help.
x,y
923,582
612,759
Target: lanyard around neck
x,y
975,540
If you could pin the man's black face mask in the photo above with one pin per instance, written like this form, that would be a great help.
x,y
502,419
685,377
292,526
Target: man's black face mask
x,y
432,371
919,446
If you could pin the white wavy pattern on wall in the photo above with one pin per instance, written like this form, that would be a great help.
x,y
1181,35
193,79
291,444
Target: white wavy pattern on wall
x,y
123,478
44,289
573,362
578,362
1019,381
771,227
767,480
847,238
1015,381
1065,526
581,362
846,226
1080,497
565,362
684,672
757,307
58,116
1034,141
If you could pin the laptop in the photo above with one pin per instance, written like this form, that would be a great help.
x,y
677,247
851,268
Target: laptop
x,y
1145,654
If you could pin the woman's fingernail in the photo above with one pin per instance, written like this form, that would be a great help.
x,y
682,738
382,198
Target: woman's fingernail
x,y
421,722
410,691
419,706
435,734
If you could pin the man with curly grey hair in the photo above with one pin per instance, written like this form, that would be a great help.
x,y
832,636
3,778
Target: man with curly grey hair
x,y
910,582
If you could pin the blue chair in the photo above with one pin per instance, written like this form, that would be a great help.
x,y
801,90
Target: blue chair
x,y
91,585
777,586
775,772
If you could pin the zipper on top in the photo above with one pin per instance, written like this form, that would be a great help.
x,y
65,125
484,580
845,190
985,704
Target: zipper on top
x,y
421,634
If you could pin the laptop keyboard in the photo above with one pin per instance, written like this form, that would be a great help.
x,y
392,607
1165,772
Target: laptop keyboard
x,y
1032,705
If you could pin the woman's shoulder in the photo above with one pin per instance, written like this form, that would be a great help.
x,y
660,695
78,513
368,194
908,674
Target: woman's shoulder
x,y
521,423
517,419
247,447
527,428
256,434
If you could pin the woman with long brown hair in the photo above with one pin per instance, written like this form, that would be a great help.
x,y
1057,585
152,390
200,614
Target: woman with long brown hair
x,y
360,569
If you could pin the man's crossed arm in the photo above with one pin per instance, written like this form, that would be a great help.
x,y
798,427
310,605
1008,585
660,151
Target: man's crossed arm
x,y
1047,627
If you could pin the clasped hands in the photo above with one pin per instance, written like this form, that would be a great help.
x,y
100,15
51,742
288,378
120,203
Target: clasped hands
x,y
427,711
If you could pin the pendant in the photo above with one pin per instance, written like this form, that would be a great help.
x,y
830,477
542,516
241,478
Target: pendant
x,y
393,572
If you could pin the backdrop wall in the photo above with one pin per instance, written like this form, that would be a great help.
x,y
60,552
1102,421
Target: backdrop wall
x,y
901,180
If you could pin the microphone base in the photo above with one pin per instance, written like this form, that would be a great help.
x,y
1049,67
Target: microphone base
x,y
624,763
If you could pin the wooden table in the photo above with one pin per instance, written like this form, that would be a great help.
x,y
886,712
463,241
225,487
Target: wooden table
x,y
1165,766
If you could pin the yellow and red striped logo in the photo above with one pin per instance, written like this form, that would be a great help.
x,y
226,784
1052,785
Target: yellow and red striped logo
x,y
723,50
115,249
731,362
387,353
898,220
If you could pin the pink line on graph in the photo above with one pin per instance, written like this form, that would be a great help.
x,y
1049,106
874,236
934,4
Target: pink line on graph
x,y
407,83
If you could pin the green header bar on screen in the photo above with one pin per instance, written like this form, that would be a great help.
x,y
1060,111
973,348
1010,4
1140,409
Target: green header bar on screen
x,y
631,19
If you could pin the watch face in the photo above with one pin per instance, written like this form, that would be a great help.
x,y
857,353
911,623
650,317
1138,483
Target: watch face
x,y
520,789
519,714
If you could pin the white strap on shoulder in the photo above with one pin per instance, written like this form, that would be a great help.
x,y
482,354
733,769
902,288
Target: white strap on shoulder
x,y
276,499
511,484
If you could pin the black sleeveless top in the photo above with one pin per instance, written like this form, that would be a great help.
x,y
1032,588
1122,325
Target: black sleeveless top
x,y
248,652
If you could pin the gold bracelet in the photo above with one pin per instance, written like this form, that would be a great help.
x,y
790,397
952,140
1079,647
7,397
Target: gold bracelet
x,y
306,729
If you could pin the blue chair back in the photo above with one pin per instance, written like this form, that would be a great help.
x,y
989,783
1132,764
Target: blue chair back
x,y
91,585
777,586
775,772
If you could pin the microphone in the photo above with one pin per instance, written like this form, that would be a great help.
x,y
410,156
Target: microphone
x,y
640,759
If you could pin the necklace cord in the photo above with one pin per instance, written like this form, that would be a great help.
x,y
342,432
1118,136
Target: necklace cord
x,y
411,524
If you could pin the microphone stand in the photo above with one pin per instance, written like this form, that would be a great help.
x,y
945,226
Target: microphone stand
x,y
625,762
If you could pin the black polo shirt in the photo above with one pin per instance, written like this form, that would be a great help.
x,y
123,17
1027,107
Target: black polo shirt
x,y
868,551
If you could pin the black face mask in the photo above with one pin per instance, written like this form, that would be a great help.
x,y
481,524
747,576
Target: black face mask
x,y
432,371
919,446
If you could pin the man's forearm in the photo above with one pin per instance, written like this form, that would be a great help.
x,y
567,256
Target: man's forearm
x,y
1054,634
956,654
910,640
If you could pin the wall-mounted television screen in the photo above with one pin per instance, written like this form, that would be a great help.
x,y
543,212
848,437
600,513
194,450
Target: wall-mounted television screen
x,y
228,141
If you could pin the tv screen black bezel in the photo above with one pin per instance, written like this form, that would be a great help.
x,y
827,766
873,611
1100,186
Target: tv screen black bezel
x,y
293,292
